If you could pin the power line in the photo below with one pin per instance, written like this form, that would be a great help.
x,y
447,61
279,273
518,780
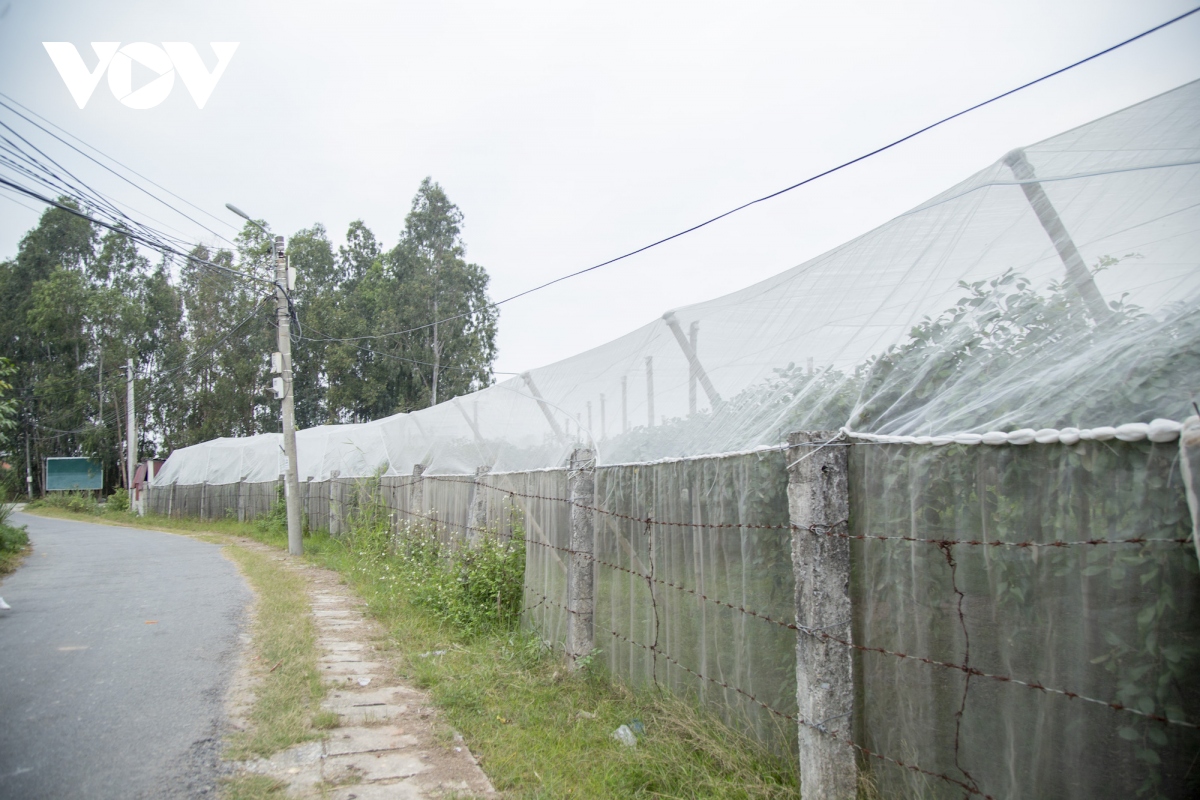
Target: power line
x,y
118,163
113,415
79,191
18,202
364,349
33,396
797,185
208,351
49,178
140,238
28,393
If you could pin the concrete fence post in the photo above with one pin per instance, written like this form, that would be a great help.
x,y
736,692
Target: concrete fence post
x,y
416,491
581,484
477,511
335,504
204,500
243,490
819,505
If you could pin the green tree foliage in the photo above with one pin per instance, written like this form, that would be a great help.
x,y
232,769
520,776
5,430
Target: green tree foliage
x,y
348,303
8,404
79,302
78,305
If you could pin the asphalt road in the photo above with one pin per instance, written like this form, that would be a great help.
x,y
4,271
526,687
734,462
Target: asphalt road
x,y
114,662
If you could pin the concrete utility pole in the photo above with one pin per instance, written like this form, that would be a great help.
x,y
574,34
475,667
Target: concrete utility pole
x,y
291,478
131,455
28,468
281,364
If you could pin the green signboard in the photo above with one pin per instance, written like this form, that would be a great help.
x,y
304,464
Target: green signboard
x,y
73,474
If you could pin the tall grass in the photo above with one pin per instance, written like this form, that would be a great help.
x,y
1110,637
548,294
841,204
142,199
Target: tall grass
x,y
453,614
14,541
290,689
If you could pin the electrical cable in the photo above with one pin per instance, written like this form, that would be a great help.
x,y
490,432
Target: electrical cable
x,y
97,199
109,416
122,166
163,248
83,194
208,351
366,349
29,395
797,185
18,202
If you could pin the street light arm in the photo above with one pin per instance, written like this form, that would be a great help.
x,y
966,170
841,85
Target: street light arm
x,y
246,217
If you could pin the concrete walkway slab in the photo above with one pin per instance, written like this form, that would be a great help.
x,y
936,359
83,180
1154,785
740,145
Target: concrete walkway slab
x,y
391,742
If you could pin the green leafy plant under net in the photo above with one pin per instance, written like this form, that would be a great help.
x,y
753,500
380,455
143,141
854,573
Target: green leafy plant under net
x,y
475,587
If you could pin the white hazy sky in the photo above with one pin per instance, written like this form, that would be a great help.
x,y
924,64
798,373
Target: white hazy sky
x,y
571,132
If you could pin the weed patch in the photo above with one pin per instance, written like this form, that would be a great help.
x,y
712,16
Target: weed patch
x,y
253,787
14,541
73,502
538,731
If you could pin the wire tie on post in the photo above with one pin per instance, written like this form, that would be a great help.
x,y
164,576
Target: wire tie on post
x,y
825,628
821,725
831,443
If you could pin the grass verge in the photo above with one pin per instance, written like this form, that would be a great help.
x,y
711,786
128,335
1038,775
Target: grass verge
x,y
538,731
254,787
290,689
14,546
14,542
543,733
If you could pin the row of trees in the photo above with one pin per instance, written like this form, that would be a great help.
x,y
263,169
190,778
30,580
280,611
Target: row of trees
x,y
79,301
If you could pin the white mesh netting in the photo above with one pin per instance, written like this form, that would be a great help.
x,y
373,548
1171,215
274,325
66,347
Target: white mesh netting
x,y
1058,287
1023,617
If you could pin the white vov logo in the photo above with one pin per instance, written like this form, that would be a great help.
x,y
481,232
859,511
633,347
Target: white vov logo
x,y
165,61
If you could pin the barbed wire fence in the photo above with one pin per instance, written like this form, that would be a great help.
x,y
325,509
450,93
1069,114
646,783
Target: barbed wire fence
x,y
695,593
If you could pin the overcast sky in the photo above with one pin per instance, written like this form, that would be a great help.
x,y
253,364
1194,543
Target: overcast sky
x,y
569,133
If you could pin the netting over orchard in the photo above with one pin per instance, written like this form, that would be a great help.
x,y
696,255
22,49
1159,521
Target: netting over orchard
x,y
1057,288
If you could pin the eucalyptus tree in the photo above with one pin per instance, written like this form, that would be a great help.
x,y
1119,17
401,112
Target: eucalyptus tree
x,y
79,305
429,261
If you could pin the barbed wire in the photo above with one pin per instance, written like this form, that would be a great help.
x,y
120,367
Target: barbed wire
x,y
657,653
829,530
822,633
838,530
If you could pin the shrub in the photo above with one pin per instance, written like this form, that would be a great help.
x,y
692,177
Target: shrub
x,y
119,501
474,588
274,522
75,502
13,539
